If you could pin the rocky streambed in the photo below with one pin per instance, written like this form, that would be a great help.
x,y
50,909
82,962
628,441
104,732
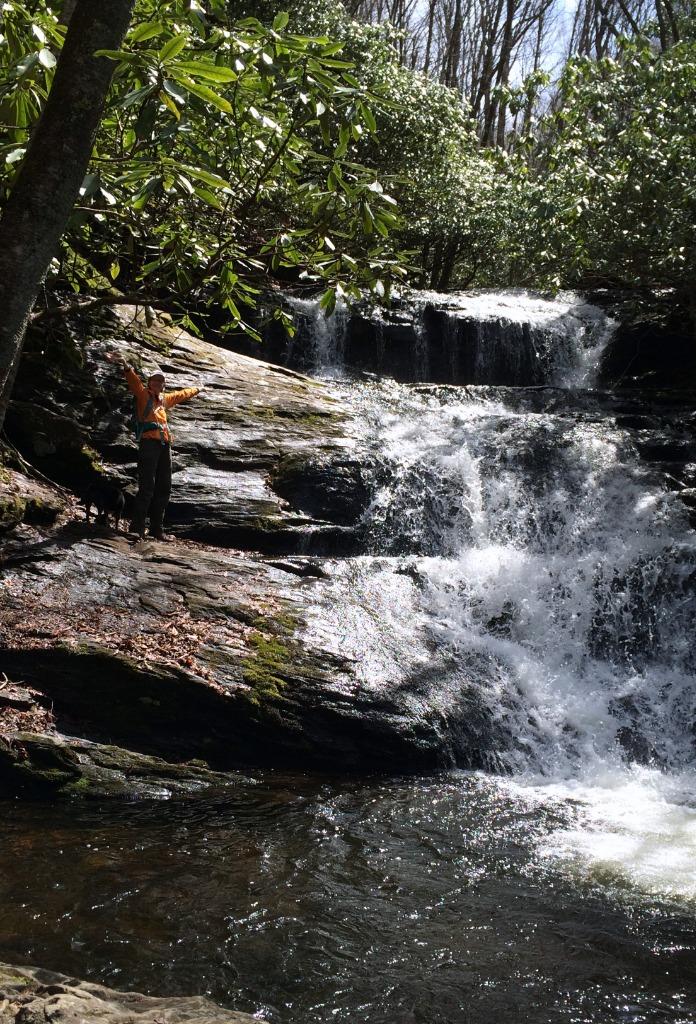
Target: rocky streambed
x,y
492,568
183,651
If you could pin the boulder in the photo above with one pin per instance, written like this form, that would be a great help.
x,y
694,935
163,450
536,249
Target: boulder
x,y
252,424
181,652
30,995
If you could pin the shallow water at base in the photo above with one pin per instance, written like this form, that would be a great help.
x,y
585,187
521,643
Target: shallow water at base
x,y
446,900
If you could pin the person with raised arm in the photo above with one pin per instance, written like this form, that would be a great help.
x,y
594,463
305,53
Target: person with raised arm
x,y
154,446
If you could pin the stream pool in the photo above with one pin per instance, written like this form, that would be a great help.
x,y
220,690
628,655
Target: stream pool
x,y
450,899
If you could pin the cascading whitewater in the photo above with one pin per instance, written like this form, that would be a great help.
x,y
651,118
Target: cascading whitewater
x,y
527,577
529,582
549,579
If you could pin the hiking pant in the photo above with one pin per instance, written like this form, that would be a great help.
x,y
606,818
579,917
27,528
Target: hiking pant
x,y
154,485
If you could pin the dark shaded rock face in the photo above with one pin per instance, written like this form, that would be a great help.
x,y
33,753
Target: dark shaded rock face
x,y
324,489
445,349
649,355
29,995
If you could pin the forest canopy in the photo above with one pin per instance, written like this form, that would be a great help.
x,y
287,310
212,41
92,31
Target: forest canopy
x,y
343,149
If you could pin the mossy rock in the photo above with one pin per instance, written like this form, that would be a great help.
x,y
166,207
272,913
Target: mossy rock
x,y
37,763
55,444
265,671
12,510
26,499
39,512
47,766
274,652
46,439
10,979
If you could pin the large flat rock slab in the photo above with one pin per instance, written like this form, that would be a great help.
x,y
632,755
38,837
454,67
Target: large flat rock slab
x,y
253,424
183,652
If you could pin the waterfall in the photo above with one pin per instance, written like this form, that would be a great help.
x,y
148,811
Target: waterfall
x,y
515,337
529,561
499,338
319,340
529,584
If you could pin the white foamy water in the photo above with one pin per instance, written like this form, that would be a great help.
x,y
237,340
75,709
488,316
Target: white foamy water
x,y
515,304
326,334
634,828
530,573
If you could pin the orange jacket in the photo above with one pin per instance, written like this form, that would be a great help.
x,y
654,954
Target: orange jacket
x,y
158,409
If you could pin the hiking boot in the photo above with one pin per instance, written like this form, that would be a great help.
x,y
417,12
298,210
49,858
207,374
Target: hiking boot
x,y
159,535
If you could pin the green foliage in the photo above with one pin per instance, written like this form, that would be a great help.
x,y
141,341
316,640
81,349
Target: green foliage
x,y
30,40
616,204
300,149
421,141
223,157
601,193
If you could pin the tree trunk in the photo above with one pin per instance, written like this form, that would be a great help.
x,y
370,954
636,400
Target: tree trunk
x,y
38,209
67,11
504,75
449,259
429,40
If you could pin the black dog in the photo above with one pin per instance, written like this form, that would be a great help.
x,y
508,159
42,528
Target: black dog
x,y
107,497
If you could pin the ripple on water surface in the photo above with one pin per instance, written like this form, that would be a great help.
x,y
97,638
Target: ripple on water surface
x,y
446,900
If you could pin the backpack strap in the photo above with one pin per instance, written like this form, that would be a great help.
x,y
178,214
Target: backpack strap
x,y
143,425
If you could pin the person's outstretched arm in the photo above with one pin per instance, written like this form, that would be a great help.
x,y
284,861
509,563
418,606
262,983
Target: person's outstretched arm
x,y
174,397
135,385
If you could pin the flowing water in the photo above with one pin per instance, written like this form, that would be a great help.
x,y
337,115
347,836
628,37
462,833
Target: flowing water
x,y
537,573
526,574
308,900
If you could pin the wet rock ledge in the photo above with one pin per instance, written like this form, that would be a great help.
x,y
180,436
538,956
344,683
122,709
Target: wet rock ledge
x,y
264,458
49,764
29,995
148,670
182,653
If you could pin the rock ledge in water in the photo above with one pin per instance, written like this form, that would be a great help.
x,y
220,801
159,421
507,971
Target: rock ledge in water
x,y
185,653
53,765
30,995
